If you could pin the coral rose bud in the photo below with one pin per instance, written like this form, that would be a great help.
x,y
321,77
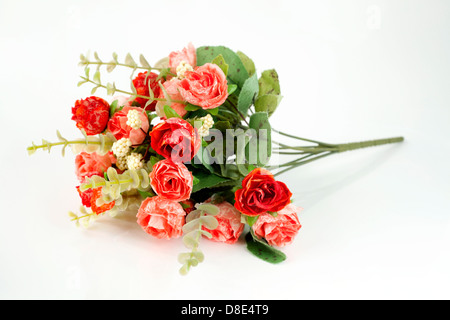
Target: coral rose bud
x,y
171,88
205,87
175,139
172,181
92,164
280,230
261,193
188,55
230,226
120,129
161,218
91,115
141,84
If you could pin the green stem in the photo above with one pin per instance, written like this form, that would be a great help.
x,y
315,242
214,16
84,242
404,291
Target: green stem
x,y
364,144
52,144
130,93
303,139
322,151
122,65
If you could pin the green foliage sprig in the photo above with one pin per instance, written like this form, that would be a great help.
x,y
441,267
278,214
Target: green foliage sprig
x,y
117,184
100,144
195,220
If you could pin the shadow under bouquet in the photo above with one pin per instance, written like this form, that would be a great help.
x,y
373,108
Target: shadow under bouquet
x,y
188,147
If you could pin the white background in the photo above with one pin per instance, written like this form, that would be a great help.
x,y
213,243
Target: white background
x,y
376,222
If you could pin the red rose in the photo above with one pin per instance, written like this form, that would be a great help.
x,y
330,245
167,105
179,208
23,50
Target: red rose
x,y
205,87
175,139
172,181
261,193
89,199
91,115
118,126
141,84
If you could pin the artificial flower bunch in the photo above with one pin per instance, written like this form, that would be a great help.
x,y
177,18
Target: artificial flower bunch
x,y
188,148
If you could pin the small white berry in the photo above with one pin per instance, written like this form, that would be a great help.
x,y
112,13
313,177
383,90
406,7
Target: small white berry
x,y
134,161
121,147
208,123
134,119
182,67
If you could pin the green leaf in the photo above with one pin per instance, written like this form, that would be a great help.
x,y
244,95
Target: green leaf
x,y
146,194
96,77
231,88
267,103
222,125
195,180
170,113
113,107
269,83
248,93
259,121
214,111
208,180
251,220
247,62
263,250
153,160
220,61
236,69
191,107
209,208
144,61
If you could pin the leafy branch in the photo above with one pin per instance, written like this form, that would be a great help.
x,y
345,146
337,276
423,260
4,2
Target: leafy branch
x,y
117,184
111,88
112,64
195,220
101,144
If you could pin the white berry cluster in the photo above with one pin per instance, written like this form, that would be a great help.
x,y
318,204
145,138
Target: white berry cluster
x,y
183,66
121,148
208,123
134,161
134,119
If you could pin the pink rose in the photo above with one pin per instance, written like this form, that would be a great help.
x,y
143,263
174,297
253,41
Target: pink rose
x,y
172,90
230,225
92,164
205,87
161,218
172,181
280,230
117,125
188,55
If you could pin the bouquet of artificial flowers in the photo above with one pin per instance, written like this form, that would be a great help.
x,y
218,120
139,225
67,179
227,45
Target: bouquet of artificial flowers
x,y
188,148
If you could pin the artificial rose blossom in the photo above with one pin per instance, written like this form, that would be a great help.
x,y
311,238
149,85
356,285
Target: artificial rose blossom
x,y
161,218
89,199
230,226
92,164
188,55
172,181
120,129
171,88
141,84
175,139
281,229
261,193
205,87
91,115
